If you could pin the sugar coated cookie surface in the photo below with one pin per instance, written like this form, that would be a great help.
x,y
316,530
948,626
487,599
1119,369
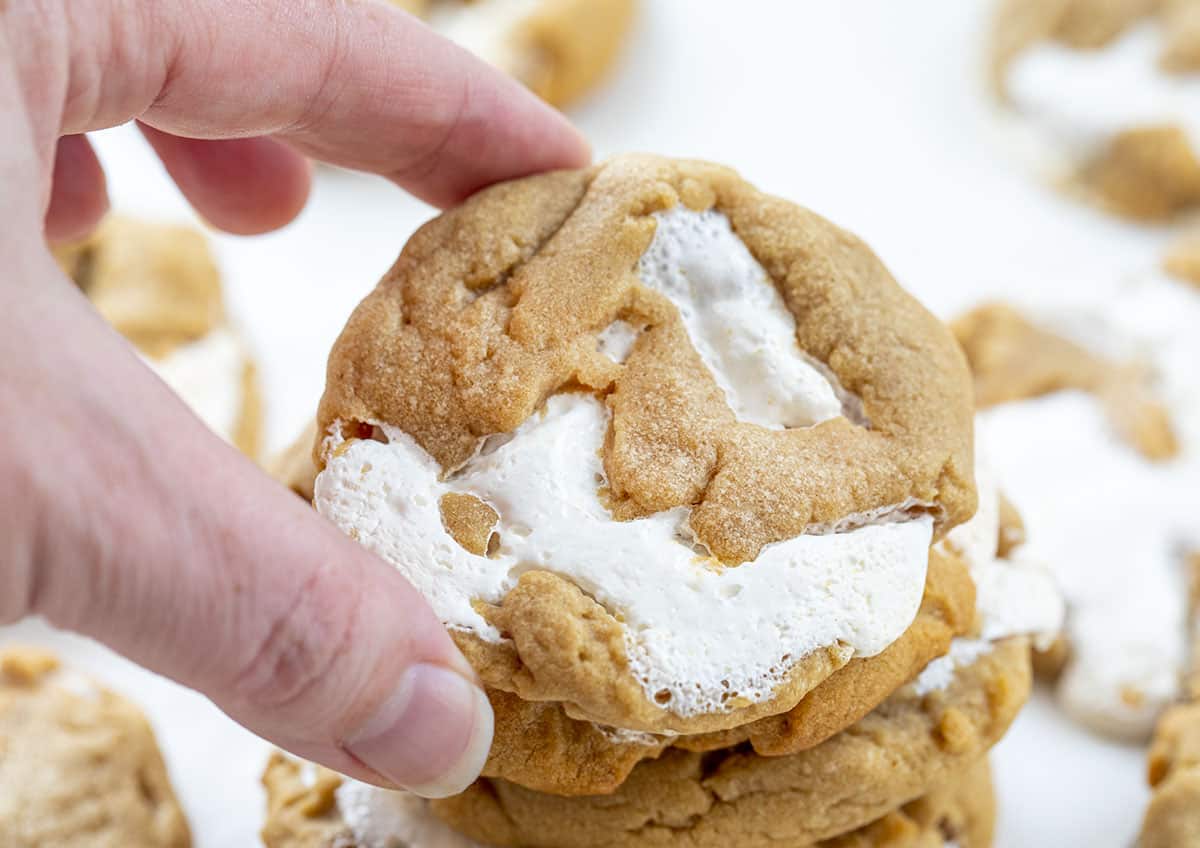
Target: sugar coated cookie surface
x,y
534,417
560,49
1112,92
79,766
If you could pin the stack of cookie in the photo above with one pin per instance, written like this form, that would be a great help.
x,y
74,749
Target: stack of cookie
x,y
690,479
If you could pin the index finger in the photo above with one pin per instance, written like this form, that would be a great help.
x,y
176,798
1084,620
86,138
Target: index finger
x,y
359,84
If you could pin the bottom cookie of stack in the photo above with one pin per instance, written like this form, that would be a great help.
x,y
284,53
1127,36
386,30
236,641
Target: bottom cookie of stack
x,y
858,788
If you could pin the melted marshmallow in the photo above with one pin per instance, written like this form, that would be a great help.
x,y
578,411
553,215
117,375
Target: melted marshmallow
x,y
378,818
616,341
1016,596
1112,525
737,320
860,589
1082,98
207,374
487,28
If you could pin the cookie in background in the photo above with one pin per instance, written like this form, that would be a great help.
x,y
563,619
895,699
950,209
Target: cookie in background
x,y
559,49
1106,96
79,765
159,287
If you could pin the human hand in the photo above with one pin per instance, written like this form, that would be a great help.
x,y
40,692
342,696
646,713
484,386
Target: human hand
x,y
122,517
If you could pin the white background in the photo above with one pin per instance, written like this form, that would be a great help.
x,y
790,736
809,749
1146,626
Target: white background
x,y
871,112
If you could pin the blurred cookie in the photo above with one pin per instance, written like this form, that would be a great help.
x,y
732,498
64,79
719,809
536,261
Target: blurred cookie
x,y
1183,258
560,49
1093,415
79,766
589,414
310,808
1111,91
159,287
1173,816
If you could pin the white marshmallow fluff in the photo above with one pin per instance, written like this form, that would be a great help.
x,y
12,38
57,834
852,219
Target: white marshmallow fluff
x,y
859,588
1016,596
208,375
378,818
1079,99
737,320
1112,525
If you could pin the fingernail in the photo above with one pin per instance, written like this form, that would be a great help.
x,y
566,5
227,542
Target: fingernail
x,y
431,736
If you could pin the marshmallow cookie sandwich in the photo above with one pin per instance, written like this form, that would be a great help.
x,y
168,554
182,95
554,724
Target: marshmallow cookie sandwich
x,y
1092,415
559,49
79,766
1107,94
925,742
160,288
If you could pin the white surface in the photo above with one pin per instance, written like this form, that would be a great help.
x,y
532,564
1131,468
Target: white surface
x,y
859,588
870,112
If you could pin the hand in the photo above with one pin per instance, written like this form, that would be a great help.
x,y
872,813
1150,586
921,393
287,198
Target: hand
x,y
121,516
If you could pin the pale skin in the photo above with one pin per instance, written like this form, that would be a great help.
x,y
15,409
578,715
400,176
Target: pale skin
x,y
121,516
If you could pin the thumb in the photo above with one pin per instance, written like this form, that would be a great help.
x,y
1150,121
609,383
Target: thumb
x,y
129,522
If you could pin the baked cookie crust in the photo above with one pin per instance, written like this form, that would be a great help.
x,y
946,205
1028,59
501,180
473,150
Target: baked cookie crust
x,y
304,813
905,748
79,766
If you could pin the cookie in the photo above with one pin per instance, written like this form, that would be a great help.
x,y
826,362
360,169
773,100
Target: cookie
x,y
1064,420
305,810
1173,815
79,766
1111,89
916,740
160,288
537,745
656,382
1014,359
1183,258
560,49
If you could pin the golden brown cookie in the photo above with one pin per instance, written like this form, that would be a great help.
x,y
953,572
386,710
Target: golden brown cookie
x,y
537,745
1014,359
906,747
303,812
560,49
1146,170
503,302
159,286
79,766
1173,816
